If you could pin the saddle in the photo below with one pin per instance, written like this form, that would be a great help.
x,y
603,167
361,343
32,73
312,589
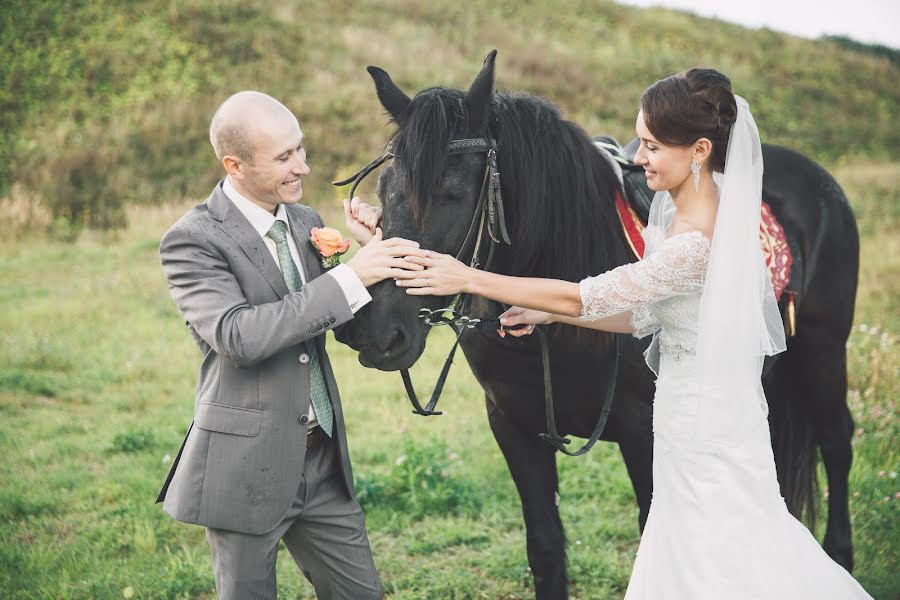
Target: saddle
x,y
631,175
634,212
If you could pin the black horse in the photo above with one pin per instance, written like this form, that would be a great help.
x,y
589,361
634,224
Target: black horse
x,y
559,193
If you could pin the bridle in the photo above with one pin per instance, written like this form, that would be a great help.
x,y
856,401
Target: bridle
x,y
488,216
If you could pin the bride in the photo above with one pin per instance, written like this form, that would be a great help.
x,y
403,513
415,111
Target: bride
x,y
718,527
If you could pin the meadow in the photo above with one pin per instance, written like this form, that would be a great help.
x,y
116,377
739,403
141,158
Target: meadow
x,y
96,391
103,113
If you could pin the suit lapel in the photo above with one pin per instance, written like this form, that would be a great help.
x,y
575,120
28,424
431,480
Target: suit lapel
x,y
236,226
300,231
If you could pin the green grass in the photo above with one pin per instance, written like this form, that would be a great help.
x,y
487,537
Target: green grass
x,y
96,389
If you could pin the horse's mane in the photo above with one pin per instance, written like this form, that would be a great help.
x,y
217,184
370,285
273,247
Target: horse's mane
x,y
558,191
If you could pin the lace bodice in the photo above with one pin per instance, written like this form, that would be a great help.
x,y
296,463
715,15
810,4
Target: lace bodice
x,y
662,290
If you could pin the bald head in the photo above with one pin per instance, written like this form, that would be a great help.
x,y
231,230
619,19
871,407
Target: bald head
x,y
240,121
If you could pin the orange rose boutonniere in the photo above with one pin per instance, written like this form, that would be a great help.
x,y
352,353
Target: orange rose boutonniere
x,y
329,244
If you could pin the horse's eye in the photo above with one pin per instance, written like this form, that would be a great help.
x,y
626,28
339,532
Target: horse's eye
x,y
450,198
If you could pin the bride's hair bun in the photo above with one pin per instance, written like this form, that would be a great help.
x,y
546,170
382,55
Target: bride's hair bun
x,y
699,103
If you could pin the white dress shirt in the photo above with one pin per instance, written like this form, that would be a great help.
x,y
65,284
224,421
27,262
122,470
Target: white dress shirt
x,y
262,220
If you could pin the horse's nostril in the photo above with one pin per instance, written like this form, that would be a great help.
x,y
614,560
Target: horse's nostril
x,y
396,343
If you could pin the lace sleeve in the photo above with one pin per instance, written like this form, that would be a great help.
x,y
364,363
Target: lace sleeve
x,y
643,322
676,267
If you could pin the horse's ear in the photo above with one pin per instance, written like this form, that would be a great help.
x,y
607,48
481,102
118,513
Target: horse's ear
x,y
478,98
392,98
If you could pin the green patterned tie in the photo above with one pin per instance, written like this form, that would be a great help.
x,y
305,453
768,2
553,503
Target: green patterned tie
x,y
318,391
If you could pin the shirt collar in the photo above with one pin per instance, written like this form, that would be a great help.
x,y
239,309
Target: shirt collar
x,y
261,219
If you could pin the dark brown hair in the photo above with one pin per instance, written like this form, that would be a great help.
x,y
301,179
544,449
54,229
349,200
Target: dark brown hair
x,y
694,104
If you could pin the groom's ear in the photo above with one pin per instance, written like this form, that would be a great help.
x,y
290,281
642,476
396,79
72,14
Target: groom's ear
x,y
392,97
232,166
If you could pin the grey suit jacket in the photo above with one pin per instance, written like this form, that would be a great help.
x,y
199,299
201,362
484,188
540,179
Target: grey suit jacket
x,y
240,465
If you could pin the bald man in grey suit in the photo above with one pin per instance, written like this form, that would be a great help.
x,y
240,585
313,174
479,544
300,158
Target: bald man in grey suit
x,y
266,458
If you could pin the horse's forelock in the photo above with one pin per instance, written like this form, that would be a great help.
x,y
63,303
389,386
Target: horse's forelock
x,y
435,116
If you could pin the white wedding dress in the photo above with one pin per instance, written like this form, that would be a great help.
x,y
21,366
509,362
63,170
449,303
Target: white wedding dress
x,y
718,527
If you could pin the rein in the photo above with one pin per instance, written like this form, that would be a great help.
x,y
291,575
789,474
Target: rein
x,y
489,216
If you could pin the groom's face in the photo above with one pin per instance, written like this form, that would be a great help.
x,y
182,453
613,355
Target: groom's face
x,y
279,162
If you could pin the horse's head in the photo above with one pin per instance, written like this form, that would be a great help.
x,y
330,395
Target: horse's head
x,y
560,195
428,195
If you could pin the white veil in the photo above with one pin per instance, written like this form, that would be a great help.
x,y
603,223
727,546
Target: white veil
x,y
739,321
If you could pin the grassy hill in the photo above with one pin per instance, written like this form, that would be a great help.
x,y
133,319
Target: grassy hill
x,y
108,104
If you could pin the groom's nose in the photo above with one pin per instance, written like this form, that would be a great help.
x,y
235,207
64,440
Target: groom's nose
x,y
300,167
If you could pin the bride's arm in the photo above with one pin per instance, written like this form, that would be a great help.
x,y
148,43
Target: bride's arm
x,y
676,268
617,323
551,295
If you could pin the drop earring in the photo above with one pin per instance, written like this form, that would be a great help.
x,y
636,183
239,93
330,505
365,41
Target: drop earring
x,y
695,169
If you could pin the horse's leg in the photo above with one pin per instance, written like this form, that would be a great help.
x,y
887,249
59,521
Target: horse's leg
x,y
631,424
809,409
636,445
532,465
833,427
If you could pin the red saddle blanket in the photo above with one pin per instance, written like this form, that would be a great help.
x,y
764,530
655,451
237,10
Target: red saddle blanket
x,y
774,244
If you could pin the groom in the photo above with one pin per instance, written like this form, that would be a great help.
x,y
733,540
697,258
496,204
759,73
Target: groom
x,y
266,456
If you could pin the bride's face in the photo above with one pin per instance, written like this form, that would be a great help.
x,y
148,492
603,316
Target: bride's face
x,y
666,167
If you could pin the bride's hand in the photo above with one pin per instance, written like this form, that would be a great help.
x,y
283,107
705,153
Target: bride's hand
x,y
443,276
522,316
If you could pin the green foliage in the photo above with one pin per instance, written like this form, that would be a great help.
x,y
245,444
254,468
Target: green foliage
x,y
880,50
133,440
186,576
107,104
422,482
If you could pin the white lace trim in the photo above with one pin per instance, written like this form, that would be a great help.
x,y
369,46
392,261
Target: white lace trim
x,y
673,266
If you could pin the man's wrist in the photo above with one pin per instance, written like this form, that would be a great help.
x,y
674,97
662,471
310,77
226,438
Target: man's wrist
x,y
357,271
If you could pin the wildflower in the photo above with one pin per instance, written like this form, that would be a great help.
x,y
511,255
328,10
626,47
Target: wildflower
x,y
128,592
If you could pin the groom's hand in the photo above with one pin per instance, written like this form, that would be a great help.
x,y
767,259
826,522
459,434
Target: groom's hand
x,y
361,220
384,259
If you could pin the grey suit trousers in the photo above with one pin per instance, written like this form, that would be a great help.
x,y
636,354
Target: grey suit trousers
x,y
324,530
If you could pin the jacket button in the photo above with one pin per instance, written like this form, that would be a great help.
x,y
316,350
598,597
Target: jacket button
x,y
304,419
333,320
304,358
